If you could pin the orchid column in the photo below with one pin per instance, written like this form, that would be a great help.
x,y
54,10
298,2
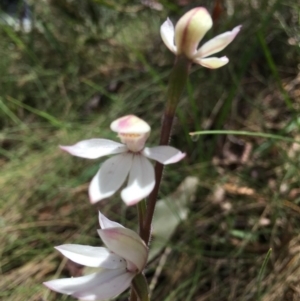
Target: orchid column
x,y
183,42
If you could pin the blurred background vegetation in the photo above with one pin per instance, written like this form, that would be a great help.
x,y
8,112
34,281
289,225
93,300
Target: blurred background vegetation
x,y
79,65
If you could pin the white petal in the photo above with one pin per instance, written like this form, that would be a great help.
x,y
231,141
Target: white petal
x,y
163,154
141,181
212,62
107,290
110,177
95,148
167,35
70,285
107,223
98,286
128,245
92,256
217,44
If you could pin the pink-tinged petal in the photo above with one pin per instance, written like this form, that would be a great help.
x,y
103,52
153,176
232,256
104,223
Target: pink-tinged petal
x,y
141,181
98,286
128,245
95,148
167,35
107,223
163,154
212,62
92,256
110,177
130,124
218,43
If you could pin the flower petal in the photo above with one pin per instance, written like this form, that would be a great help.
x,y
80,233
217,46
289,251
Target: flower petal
x,y
218,43
110,177
212,62
107,223
141,181
92,256
98,286
128,245
95,148
163,154
71,285
107,290
167,35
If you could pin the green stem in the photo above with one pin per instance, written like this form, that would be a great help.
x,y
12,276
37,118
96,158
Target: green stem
x,y
178,79
133,296
177,83
141,208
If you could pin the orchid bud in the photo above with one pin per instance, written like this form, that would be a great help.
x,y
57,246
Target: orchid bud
x,y
189,32
190,29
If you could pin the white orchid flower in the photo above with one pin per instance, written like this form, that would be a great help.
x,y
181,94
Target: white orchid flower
x,y
130,159
188,33
125,256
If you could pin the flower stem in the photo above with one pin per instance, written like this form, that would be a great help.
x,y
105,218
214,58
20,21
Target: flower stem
x,y
141,208
178,79
133,296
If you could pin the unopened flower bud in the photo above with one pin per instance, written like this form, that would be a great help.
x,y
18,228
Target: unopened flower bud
x,y
188,33
190,30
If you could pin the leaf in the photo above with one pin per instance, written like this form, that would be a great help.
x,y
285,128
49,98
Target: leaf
x,y
170,212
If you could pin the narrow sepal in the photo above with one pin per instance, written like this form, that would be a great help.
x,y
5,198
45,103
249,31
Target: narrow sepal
x,y
213,62
94,148
92,256
163,154
167,35
218,43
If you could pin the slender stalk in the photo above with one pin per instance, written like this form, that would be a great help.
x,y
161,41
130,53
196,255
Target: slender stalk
x,y
141,208
133,296
178,78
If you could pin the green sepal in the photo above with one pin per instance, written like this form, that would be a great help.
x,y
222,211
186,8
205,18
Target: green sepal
x,y
140,287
